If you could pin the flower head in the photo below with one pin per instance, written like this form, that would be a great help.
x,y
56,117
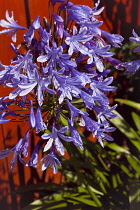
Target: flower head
x,y
60,80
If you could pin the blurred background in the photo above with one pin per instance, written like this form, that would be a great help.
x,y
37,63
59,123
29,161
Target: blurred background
x,y
111,177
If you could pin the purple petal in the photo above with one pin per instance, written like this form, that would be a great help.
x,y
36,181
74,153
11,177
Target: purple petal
x,y
65,138
57,18
5,153
36,23
3,120
34,157
48,145
32,116
42,58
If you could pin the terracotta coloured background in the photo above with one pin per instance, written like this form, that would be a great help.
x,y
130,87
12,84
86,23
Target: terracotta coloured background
x,y
120,16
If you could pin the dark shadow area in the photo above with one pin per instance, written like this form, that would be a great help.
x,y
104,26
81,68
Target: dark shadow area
x,y
118,18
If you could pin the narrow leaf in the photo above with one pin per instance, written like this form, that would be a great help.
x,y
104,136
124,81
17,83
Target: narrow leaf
x,y
129,103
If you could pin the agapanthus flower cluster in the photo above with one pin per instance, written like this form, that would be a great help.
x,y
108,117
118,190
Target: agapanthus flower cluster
x,y
62,75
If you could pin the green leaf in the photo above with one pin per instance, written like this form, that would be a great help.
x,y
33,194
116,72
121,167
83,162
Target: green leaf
x,y
114,181
134,192
126,170
117,148
135,163
96,191
76,101
103,177
136,119
119,179
129,103
135,197
125,128
50,201
55,206
63,120
85,201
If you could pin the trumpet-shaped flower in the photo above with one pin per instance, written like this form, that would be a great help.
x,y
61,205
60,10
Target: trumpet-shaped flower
x,y
11,25
21,148
114,39
54,138
135,39
75,112
39,123
75,41
77,141
34,157
51,160
131,67
28,36
59,25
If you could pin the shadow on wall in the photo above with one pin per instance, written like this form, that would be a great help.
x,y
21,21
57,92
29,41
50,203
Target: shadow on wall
x,y
121,16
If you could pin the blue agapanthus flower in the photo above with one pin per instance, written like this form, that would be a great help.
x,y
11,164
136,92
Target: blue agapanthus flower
x,y
55,1
20,149
132,66
135,39
11,25
54,138
62,74
51,160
